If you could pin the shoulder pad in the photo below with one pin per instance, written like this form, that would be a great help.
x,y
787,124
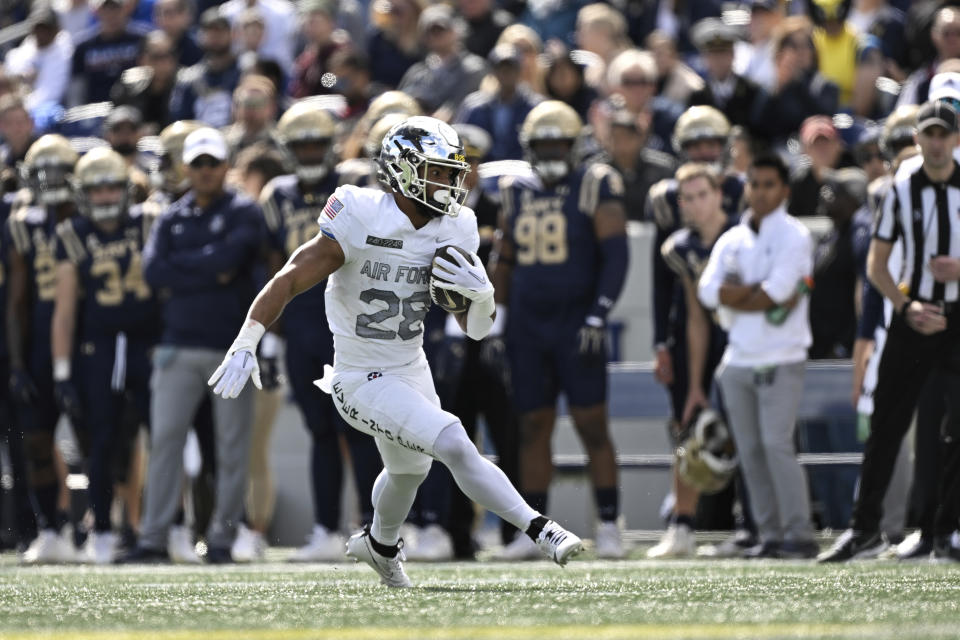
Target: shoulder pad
x,y
594,175
659,203
67,233
659,158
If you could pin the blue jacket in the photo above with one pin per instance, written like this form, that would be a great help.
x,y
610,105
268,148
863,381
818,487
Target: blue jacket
x,y
201,262
480,109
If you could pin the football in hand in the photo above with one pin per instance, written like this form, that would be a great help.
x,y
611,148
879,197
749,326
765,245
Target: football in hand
x,y
447,300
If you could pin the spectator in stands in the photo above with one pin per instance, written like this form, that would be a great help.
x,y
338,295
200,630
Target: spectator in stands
x,y
754,58
75,17
254,113
148,86
449,73
17,131
602,30
886,23
672,18
500,114
638,165
676,80
42,61
754,274
104,53
850,61
530,46
564,80
322,41
200,258
867,154
174,18
833,314
823,148
945,35
633,76
351,72
553,20
248,31
739,98
485,22
800,90
280,25
394,43
204,91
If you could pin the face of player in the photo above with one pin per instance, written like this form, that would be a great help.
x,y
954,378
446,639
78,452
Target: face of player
x,y
105,200
767,190
438,177
706,150
699,201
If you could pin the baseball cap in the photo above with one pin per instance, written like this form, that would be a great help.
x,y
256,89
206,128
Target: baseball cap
x,y
436,15
937,114
817,127
945,86
204,142
121,114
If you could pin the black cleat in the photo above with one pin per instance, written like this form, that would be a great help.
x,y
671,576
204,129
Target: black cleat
x,y
763,551
913,548
144,555
798,550
219,555
855,545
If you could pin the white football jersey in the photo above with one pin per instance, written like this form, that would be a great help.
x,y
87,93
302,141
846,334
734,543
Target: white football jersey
x,y
377,300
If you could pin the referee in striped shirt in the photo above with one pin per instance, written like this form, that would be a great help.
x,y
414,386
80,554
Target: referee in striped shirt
x,y
921,210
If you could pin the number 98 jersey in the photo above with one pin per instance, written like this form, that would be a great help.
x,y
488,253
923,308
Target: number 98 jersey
x,y
377,300
556,254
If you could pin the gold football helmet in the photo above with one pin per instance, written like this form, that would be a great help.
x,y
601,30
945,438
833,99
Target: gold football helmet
x,y
371,148
46,169
172,176
101,166
700,123
392,102
304,125
549,135
706,458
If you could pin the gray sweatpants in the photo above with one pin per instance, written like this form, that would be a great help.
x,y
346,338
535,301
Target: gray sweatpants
x,y
178,386
762,408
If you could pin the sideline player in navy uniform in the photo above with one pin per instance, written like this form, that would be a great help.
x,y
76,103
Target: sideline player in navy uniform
x,y
701,135
31,246
104,306
562,262
686,252
291,205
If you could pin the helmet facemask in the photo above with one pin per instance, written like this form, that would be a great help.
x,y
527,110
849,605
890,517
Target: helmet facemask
x,y
312,158
105,212
551,158
48,181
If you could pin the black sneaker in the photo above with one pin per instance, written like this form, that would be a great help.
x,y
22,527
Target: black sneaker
x,y
799,550
219,555
764,550
855,545
143,555
914,548
945,547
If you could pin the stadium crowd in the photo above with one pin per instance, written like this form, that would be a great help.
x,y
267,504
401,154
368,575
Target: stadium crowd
x,y
162,159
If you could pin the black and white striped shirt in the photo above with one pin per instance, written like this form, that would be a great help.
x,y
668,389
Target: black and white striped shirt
x,y
926,216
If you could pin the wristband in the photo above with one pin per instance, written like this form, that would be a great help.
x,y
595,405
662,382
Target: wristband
x,y
61,369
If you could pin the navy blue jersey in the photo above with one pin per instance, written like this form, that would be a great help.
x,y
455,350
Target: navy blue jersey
x,y
200,93
291,218
101,61
663,208
30,230
110,273
556,253
5,204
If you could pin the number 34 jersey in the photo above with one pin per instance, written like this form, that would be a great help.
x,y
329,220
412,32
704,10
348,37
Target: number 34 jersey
x,y
556,253
110,274
377,300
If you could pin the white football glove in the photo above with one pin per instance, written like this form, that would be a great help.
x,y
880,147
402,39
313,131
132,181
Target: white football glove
x,y
239,364
469,280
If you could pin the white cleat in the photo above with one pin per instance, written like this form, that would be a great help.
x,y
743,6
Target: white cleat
x,y
180,546
522,548
101,547
677,542
558,544
322,546
248,546
391,571
609,541
50,547
433,544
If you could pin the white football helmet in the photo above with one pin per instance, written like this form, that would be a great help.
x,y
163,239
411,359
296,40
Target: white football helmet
x,y
408,152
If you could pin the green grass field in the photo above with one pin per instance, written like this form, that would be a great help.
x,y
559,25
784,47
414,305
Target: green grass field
x,y
590,600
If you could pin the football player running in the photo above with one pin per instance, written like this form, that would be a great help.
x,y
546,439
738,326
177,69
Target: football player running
x,y
377,249
562,261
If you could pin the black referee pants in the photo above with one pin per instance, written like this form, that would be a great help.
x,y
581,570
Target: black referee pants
x,y
908,360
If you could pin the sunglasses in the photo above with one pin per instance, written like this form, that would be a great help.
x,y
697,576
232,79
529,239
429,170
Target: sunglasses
x,y
206,162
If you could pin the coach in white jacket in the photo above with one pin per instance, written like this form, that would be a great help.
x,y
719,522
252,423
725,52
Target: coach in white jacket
x,y
755,278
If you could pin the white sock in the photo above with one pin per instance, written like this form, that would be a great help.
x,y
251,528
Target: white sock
x,y
481,480
393,495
